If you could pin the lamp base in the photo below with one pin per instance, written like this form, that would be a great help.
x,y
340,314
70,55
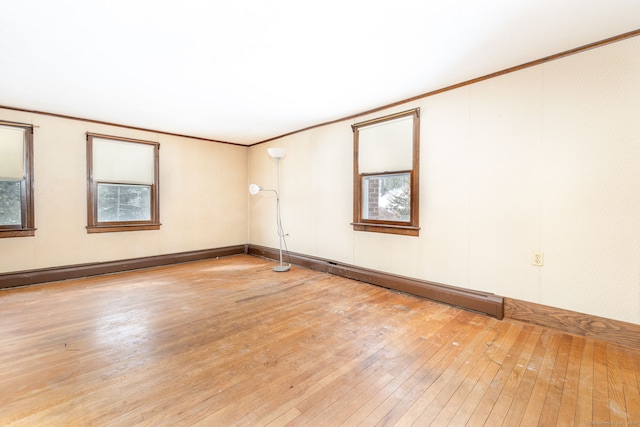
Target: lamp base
x,y
281,268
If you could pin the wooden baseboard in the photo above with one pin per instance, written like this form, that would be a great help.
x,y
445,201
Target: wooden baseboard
x,y
32,277
613,331
482,302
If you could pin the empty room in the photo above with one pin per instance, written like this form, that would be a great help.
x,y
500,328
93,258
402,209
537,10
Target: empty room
x,y
341,213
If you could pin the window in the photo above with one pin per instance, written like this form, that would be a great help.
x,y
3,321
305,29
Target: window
x,y
386,163
122,184
16,180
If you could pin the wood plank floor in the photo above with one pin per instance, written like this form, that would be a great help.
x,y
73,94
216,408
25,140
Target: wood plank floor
x,y
229,342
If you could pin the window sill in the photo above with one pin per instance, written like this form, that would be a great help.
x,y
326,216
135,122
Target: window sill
x,y
121,227
17,232
405,230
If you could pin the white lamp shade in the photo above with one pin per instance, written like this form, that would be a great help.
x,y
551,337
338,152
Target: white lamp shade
x,y
254,189
277,153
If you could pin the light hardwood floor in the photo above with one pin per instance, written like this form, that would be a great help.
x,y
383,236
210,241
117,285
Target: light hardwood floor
x,y
229,342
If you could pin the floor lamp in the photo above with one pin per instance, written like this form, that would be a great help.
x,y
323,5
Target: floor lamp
x,y
277,154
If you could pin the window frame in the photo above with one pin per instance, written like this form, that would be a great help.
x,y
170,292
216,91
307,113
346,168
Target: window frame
x,y
26,228
95,226
408,228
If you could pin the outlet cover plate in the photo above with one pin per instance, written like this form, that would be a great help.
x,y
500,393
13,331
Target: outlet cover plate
x,y
537,259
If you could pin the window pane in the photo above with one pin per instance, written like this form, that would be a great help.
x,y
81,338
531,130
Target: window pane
x,y
10,203
387,197
117,203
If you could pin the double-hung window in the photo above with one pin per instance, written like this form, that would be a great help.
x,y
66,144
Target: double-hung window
x,y
122,184
386,178
16,180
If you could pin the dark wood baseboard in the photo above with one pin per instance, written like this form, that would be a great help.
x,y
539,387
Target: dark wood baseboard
x,y
481,302
32,277
613,331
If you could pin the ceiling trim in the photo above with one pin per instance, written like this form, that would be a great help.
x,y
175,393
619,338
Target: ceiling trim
x,y
566,53
549,58
100,122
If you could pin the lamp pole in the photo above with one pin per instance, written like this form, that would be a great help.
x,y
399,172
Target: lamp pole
x,y
277,154
280,268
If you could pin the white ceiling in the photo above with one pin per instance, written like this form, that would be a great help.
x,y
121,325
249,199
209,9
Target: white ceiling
x,y
244,71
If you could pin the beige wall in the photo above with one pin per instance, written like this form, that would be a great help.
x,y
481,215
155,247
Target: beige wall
x,y
543,159
203,201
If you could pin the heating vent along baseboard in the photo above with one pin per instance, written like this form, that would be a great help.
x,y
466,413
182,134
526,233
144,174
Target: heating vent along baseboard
x,y
481,302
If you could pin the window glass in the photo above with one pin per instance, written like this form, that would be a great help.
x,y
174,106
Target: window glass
x,y
10,203
117,202
387,197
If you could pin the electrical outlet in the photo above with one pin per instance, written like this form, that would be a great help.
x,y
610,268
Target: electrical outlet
x,y
537,259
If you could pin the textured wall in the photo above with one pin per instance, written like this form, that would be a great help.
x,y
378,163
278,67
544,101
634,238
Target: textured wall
x,y
542,159
203,200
